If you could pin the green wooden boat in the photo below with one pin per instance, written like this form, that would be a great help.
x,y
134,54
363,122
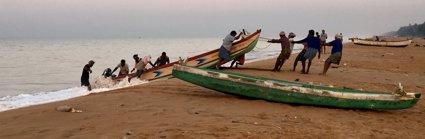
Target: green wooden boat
x,y
293,92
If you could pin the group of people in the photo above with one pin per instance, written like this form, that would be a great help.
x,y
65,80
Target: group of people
x,y
312,46
140,66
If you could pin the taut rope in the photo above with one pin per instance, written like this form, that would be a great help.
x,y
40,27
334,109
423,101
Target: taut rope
x,y
263,47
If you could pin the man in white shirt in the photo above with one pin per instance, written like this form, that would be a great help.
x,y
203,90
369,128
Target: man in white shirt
x,y
139,66
323,38
226,47
123,68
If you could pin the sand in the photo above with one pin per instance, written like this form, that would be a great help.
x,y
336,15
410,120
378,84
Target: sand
x,y
177,109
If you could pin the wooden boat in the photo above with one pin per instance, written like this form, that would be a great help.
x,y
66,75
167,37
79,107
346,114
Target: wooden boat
x,y
292,92
381,43
205,60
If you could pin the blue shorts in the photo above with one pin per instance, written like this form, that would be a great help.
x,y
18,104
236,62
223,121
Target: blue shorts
x,y
310,53
224,54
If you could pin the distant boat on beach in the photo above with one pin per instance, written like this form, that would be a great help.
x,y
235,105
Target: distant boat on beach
x,y
294,92
205,60
377,42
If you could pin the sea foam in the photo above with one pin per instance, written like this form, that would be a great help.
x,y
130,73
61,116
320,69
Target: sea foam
x,y
29,99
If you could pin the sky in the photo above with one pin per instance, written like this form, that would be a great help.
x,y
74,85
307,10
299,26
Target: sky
x,y
32,19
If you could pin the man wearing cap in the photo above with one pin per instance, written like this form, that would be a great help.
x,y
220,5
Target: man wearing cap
x,y
336,53
85,75
226,47
285,50
162,60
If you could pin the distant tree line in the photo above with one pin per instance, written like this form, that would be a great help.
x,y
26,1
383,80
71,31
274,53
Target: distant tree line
x,y
411,30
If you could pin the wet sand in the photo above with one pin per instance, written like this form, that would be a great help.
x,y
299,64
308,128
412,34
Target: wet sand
x,y
177,109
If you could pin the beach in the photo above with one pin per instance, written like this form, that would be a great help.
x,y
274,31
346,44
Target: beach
x,y
177,109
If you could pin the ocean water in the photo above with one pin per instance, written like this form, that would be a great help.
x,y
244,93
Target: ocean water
x,y
41,71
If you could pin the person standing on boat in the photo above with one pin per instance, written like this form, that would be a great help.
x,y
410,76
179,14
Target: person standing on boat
x,y
162,60
123,68
86,74
336,53
226,47
285,50
323,38
312,49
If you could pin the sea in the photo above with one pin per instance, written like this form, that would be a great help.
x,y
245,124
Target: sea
x,y
47,70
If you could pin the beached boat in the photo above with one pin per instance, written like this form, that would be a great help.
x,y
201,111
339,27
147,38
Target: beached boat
x,y
403,43
293,92
205,60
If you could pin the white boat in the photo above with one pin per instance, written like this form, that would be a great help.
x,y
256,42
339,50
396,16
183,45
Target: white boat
x,y
403,43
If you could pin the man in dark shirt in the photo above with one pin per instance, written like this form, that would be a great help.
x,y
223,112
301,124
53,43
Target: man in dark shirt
x,y
285,51
162,60
336,53
85,75
313,48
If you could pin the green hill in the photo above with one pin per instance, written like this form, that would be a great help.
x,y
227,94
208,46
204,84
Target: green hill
x,y
411,31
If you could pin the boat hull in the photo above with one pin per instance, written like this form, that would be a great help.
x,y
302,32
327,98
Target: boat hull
x,y
271,90
382,43
205,60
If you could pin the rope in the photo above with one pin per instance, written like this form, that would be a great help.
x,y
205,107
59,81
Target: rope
x,y
264,39
263,47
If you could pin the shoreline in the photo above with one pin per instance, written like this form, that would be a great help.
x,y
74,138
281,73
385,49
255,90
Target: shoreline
x,y
177,109
31,99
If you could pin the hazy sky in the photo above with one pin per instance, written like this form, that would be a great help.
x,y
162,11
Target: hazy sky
x,y
203,18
